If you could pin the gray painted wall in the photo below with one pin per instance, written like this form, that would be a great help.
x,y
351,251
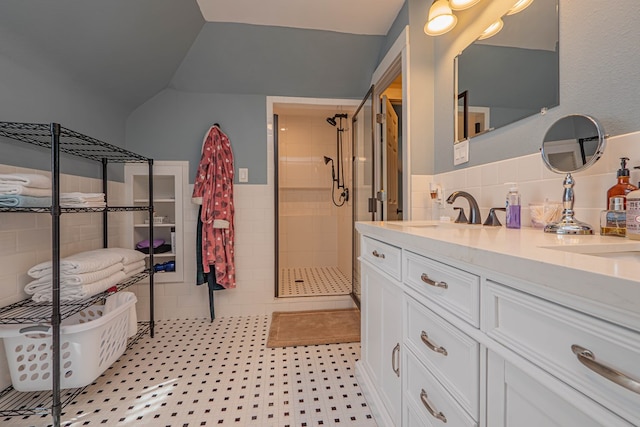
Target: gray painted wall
x,y
399,24
172,124
255,59
33,89
86,65
421,108
225,78
599,64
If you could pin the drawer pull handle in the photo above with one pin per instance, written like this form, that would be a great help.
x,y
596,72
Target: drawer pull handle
x,y
377,254
425,279
588,359
436,414
395,350
438,349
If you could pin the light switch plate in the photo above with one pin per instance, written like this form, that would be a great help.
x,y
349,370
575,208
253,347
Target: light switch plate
x,y
461,152
243,175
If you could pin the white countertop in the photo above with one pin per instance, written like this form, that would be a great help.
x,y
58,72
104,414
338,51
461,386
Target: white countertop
x,y
607,286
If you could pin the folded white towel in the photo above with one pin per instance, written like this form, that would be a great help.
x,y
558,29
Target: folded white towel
x,y
82,197
73,279
134,268
21,190
77,292
82,262
114,301
26,179
129,256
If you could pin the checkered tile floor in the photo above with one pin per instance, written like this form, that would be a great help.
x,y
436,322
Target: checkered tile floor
x,y
197,373
313,281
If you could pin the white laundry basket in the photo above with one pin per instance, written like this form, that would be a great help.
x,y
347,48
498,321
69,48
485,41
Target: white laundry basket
x,y
90,341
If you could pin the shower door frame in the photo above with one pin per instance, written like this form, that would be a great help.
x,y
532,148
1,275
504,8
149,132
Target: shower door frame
x,y
349,104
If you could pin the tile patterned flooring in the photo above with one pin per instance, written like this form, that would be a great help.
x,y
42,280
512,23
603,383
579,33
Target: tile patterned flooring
x,y
313,281
197,373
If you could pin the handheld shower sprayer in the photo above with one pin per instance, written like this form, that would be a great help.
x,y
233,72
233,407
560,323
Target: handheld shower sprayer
x,y
333,170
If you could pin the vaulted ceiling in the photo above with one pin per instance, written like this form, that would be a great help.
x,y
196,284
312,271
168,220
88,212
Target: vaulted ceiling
x,y
130,50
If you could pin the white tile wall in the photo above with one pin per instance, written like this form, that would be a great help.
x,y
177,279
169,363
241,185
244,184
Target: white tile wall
x,y
487,183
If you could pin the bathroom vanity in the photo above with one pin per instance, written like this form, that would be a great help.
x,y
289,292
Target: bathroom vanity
x,y
465,325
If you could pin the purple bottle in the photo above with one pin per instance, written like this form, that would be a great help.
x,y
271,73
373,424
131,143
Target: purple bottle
x,y
513,206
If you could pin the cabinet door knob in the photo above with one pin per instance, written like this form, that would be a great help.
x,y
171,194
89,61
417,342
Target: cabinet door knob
x,y
432,346
434,412
377,254
425,278
588,359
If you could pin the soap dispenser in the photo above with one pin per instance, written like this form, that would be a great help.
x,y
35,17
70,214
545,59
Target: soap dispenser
x,y
623,187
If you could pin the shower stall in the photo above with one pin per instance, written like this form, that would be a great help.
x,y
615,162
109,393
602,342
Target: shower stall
x,y
314,214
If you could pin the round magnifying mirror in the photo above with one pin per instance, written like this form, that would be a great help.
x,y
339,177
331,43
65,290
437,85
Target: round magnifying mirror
x,y
573,143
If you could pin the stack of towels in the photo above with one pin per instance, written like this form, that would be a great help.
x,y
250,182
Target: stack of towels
x,y
85,274
26,190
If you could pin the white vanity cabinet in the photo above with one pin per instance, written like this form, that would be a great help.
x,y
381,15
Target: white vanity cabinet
x,y
442,374
598,358
381,311
490,339
530,397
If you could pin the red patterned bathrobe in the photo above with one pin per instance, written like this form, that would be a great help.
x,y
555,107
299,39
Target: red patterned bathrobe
x,y
213,187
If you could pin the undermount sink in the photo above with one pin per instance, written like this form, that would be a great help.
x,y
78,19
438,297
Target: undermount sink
x,y
624,251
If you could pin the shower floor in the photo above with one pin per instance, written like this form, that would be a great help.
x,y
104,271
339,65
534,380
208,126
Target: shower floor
x,y
313,281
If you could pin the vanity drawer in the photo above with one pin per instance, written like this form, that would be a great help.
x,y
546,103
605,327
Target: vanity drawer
x,y
429,401
451,355
383,255
456,290
547,334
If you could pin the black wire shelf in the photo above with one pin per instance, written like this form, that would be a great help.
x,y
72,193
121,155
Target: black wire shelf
x,y
15,403
71,142
29,311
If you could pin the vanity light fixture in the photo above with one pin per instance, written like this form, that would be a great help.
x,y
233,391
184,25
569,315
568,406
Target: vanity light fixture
x,y
440,19
462,4
492,30
519,6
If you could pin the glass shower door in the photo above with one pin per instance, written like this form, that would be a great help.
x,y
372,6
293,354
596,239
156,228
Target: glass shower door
x,y
364,201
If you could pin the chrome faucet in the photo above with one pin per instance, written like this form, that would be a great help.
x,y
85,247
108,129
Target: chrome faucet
x,y
474,216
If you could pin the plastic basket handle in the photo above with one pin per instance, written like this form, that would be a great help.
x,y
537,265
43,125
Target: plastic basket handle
x,y
43,329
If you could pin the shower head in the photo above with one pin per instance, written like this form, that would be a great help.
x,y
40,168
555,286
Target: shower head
x,y
327,159
331,120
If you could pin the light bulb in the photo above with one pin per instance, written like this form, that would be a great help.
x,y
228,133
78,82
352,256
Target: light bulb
x,y
441,19
492,30
462,4
519,6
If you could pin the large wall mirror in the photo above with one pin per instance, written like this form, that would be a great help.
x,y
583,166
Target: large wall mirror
x,y
511,75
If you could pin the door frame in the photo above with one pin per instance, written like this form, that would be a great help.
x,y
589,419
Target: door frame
x,y
395,62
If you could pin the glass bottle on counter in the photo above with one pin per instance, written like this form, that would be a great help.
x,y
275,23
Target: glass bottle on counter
x,y
613,222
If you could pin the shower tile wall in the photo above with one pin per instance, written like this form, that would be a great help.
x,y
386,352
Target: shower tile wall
x,y
309,222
